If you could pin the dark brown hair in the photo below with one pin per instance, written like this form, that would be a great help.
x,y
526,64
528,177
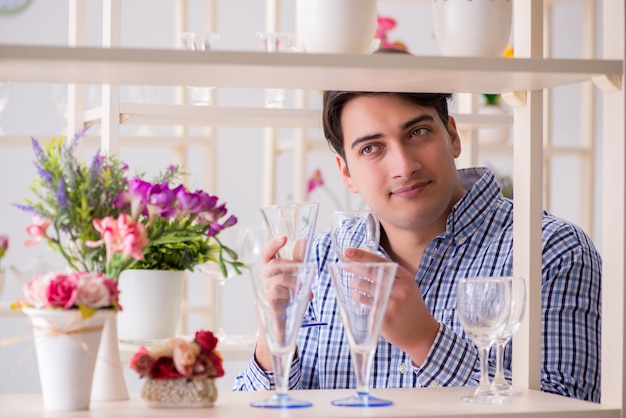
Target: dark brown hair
x,y
333,103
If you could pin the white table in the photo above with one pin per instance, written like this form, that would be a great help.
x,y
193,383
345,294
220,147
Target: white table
x,y
431,402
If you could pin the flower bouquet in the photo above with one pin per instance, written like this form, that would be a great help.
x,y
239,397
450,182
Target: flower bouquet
x,y
67,312
101,220
179,373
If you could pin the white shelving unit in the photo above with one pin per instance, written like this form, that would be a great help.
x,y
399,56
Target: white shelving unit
x,y
523,79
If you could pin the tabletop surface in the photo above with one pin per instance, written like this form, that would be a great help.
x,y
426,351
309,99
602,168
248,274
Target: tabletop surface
x,y
431,402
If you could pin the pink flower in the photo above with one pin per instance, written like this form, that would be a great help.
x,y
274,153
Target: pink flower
x,y
37,230
122,235
34,293
92,291
315,181
62,291
142,361
184,356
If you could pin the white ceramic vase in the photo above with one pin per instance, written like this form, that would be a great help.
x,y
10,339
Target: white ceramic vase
x,y
337,26
108,376
472,28
151,302
66,347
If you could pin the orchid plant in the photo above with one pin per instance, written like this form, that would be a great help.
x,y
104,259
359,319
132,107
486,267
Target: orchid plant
x,y
99,220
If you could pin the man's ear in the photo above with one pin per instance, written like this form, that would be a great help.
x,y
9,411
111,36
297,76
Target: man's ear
x,y
454,137
345,174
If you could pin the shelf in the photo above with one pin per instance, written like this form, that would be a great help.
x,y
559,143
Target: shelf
x,y
237,69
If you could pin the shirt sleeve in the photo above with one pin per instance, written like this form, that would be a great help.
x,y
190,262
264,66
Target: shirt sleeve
x,y
253,378
571,304
451,361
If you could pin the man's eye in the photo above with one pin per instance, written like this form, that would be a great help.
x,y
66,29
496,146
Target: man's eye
x,y
368,149
419,132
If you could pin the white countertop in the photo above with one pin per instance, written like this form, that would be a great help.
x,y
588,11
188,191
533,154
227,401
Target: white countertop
x,y
431,402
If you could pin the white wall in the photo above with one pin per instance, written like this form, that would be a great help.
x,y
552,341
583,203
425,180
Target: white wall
x,y
149,23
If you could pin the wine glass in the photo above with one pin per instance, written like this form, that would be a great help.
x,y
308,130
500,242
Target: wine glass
x,y
518,308
362,291
354,228
5,89
233,238
192,41
296,221
483,305
281,292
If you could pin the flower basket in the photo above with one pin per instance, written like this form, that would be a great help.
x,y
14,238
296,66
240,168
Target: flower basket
x,y
179,393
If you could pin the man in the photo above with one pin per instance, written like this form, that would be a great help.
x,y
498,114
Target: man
x,y
397,151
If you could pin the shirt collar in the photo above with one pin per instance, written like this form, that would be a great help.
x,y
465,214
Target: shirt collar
x,y
482,193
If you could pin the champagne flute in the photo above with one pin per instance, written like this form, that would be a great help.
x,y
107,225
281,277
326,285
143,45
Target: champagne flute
x,y
354,228
483,305
281,292
362,291
518,308
296,221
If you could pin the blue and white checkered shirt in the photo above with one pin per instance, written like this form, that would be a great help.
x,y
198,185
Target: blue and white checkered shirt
x,y
477,242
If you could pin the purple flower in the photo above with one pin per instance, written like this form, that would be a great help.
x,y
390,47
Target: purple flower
x,y
161,200
39,153
191,203
61,196
45,177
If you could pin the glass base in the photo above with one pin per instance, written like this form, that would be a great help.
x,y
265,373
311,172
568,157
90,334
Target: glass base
x,y
362,399
486,396
281,401
506,390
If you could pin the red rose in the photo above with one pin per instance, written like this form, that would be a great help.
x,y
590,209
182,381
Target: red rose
x,y
206,340
208,365
164,368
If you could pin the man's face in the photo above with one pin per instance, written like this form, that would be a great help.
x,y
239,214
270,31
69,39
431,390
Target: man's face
x,y
400,159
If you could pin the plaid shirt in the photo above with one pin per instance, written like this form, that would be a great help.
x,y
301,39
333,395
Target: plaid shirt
x,y
478,241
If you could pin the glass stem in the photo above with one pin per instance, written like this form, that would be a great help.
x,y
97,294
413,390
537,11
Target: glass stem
x,y
362,362
483,384
281,363
498,379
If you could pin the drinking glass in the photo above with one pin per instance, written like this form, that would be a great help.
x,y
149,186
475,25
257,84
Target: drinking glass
x,y
362,291
281,292
296,221
483,305
192,41
275,42
233,238
354,228
518,308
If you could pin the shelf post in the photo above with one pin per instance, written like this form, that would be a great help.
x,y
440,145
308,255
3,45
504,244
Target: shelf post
x,y
527,183
613,215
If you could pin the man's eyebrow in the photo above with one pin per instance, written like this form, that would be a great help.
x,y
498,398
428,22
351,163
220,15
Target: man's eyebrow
x,y
418,119
405,125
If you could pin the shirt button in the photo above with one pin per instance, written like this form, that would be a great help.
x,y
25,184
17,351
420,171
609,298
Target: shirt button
x,y
402,368
461,241
433,385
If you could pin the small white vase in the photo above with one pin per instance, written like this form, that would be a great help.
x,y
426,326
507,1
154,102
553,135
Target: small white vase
x,y
151,302
337,26
108,376
472,28
66,347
